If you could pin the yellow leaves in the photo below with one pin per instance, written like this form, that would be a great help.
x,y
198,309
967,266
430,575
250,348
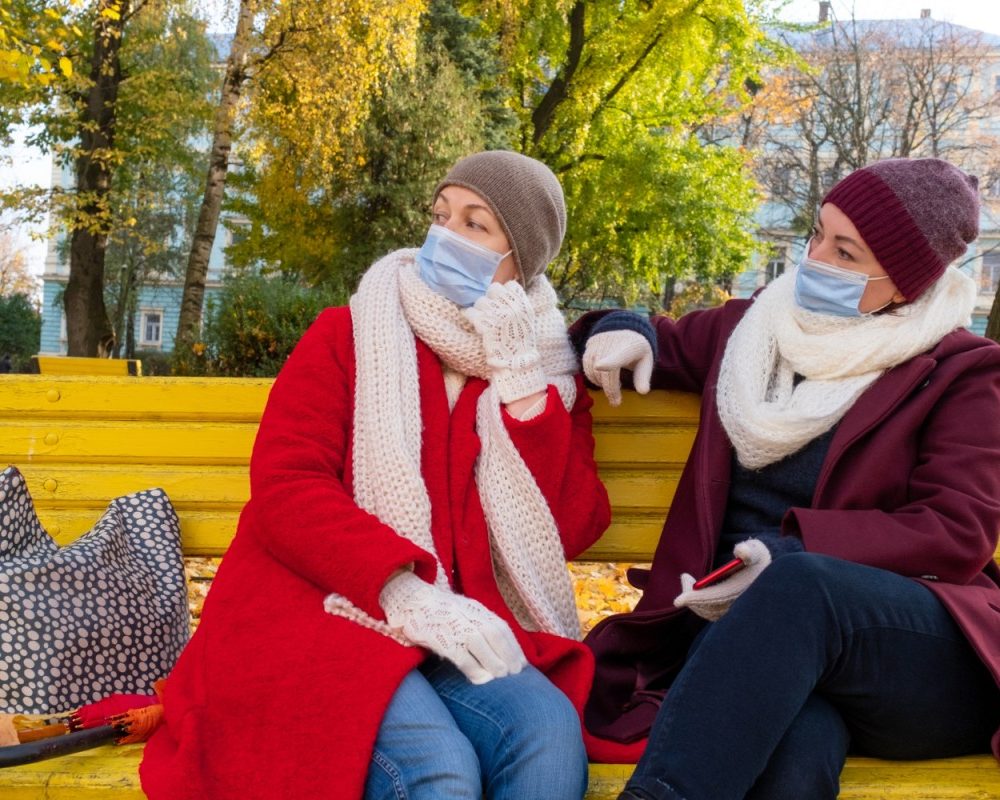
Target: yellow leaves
x,y
601,590
111,12
199,573
34,46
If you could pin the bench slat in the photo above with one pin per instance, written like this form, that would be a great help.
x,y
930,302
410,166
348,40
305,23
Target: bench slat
x,y
129,442
110,770
82,397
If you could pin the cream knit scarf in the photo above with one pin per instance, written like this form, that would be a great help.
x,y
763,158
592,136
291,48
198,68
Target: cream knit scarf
x,y
391,306
767,415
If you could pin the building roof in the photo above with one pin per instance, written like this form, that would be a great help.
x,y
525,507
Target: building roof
x,y
907,31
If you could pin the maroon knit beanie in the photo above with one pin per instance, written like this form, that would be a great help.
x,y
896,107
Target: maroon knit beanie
x,y
915,214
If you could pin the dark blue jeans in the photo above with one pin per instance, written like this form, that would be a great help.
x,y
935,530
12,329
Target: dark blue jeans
x,y
818,657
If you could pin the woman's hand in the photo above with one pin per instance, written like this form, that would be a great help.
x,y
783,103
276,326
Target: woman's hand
x,y
713,601
607,354
506,321
458,628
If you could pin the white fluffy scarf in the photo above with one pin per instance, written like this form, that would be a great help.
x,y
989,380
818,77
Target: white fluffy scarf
x,y
392,305
767,415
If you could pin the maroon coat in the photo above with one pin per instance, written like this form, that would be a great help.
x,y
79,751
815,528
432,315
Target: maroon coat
x,y
910,483
274,697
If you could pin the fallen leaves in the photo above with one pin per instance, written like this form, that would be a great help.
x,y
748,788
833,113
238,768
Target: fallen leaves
x,y
601,588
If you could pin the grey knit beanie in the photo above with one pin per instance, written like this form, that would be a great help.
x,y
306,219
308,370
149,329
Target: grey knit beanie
x,y
525,196
915,214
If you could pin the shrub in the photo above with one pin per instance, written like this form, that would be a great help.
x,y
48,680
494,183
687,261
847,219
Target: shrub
x,y
20,330
253,325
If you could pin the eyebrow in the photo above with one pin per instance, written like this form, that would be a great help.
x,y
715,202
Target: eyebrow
x,y
841,238
480,206
849,240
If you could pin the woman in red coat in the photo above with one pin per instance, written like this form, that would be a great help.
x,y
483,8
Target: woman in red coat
x,y
849,458
394,617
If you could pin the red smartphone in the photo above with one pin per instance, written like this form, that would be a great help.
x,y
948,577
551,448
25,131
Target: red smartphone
x,y
716,575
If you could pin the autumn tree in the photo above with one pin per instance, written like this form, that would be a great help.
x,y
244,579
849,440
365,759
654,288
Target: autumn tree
x,y
612,96
15,276
870,90
82,120
424,116
307,70
160,169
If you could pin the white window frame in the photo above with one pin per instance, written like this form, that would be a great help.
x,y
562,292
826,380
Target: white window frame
x,y
779,255
144,315
988,278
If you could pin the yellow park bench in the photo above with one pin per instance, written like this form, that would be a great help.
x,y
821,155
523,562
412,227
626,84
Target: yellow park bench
x,y
82,440
75,365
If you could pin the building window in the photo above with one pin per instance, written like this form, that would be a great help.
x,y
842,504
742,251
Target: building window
x,y
151,328
996,83
775,265
990,275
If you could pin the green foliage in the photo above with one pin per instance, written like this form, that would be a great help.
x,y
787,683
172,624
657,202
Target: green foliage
x,y
20,330
614,97
421,121
253,326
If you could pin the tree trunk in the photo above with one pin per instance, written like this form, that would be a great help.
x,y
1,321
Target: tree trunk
x,y
88,329
192,302
993,321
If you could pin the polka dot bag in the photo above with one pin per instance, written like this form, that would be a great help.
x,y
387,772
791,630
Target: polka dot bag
x,y
106,614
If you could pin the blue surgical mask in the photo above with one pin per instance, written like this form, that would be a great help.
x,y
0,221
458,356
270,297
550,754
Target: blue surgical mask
x,y
456,267
827,289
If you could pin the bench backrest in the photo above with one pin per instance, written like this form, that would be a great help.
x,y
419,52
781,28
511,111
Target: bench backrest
x,y
73,365
82,440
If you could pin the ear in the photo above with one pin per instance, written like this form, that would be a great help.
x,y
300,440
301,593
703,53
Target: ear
x,y
898,298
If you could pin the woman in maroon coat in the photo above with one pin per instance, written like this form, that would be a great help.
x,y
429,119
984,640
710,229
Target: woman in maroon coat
x,y
848,456
394,618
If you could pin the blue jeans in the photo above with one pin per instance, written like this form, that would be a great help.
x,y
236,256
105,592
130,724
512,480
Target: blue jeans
x,y
514,738
818,657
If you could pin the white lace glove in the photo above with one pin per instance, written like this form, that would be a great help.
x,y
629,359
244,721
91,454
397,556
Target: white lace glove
x,y
606,354
506,321
713,601
458,628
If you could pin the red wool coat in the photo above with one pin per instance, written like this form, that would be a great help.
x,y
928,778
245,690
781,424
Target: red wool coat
x,y
274,697
910,483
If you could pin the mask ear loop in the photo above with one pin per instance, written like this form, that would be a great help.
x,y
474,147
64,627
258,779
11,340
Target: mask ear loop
x,y
886,305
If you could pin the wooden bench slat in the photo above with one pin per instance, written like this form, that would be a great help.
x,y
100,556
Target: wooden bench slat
x,y
203,533
81,397
94,774
128,442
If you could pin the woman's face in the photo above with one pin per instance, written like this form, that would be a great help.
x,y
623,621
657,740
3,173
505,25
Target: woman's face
x,y
464,212
836,241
